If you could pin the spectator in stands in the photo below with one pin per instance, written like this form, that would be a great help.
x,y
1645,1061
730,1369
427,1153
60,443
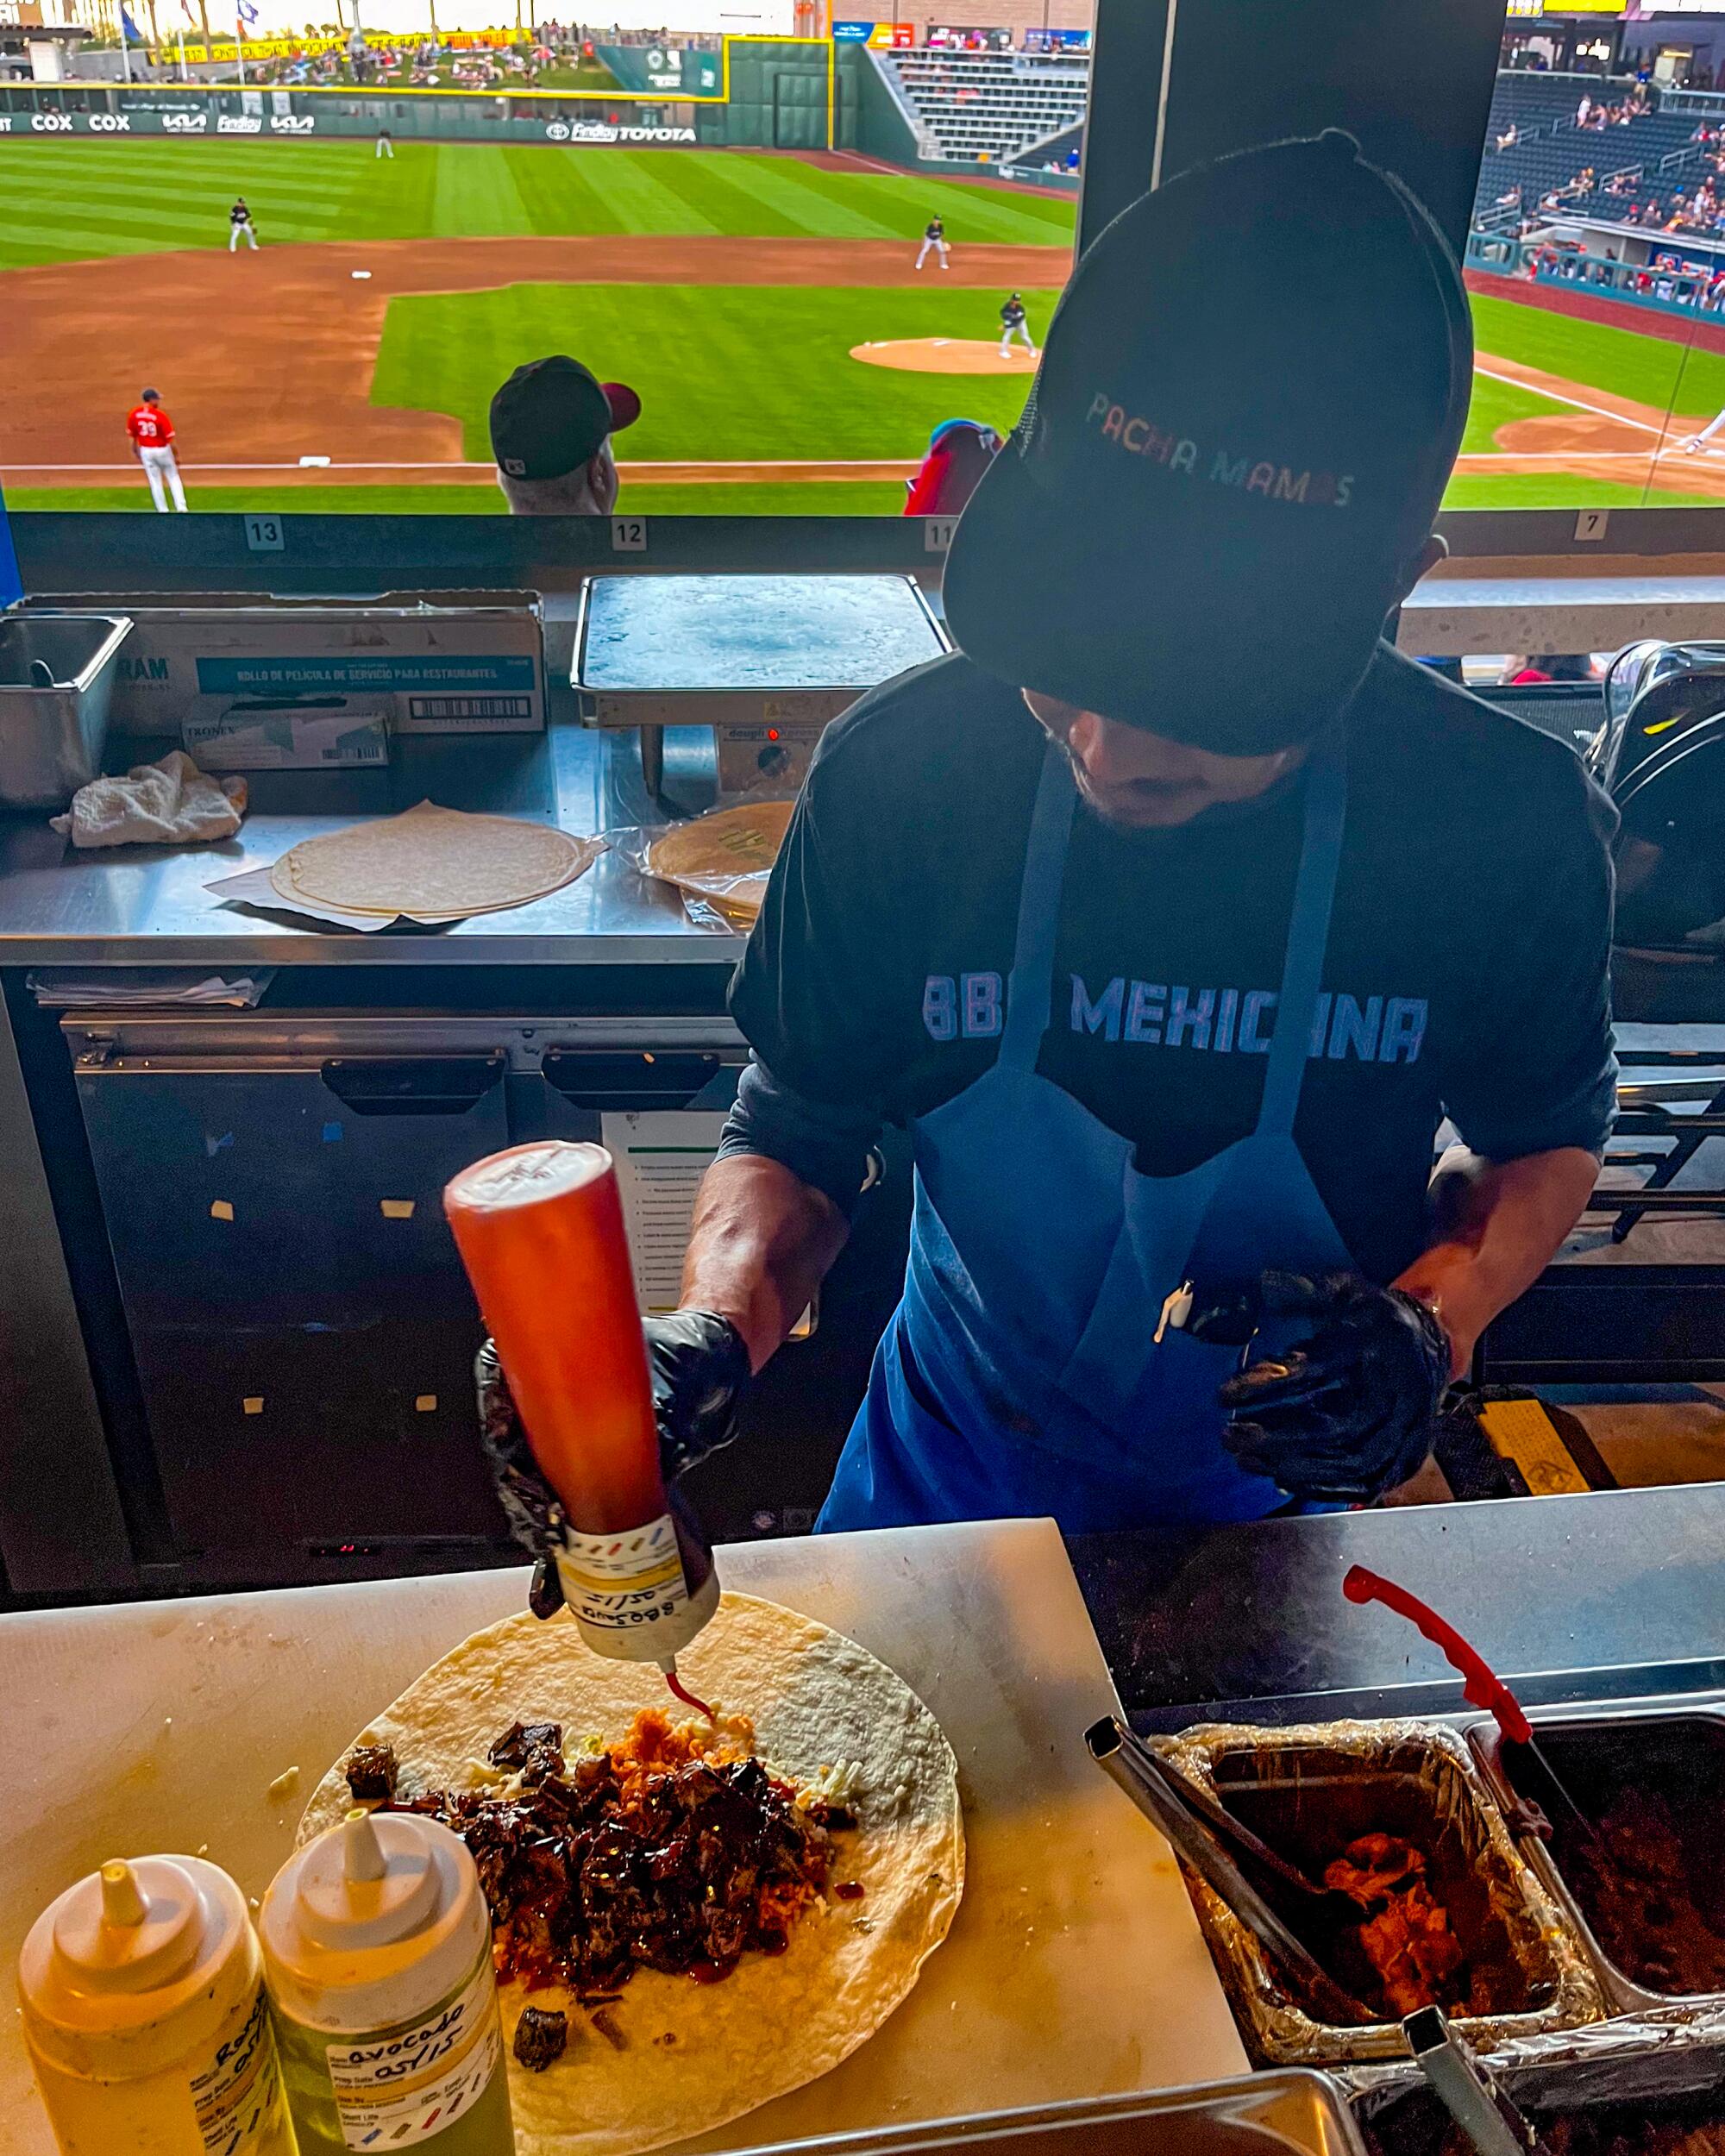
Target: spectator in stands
x,y
1584,112
551,425
1551,666
959,453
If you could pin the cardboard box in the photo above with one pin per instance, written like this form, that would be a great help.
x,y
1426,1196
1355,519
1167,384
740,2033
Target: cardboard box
x,y
440,662
289,738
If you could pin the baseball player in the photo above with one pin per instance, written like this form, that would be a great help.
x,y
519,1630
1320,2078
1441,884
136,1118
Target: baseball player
x,y
151,431
1014,324
933,242
385,147
1700,441
239,221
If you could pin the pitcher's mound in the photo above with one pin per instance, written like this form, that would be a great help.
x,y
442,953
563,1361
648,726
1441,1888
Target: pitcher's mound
x,y
946,355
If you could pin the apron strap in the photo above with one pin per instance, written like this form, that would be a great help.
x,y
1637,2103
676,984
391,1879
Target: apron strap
x,y
1030,991
1308,934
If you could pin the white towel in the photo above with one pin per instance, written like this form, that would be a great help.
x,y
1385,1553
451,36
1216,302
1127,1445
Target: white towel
x,y
172,803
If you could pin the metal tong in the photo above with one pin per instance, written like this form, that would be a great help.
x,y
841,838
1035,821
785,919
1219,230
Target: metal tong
x,y
1491,2122
1229,1857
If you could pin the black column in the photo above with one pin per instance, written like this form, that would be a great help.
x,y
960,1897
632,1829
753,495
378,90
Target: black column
x,y
1410,79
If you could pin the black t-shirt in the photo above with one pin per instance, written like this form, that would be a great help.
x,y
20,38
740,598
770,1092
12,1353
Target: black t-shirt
x,y
1465,975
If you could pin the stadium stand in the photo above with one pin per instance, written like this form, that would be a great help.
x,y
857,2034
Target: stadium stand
x,y
1063,152
1535,150
987,107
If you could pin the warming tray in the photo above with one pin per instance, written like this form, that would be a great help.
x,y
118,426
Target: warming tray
x,y
1265,2114
1667,1731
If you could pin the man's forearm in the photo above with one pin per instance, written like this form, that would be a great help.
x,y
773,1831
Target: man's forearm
x,y
761,1244
1498,1225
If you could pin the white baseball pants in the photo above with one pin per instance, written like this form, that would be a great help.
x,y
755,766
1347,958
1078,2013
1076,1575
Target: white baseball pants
x,y
163,474
233,232
1017,329
386,148
931,247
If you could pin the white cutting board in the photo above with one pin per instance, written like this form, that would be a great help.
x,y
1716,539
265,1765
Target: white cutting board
x,y
1074,1965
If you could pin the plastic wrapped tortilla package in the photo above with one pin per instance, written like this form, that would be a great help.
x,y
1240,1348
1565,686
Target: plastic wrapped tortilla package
x,y
721,862
1467,1922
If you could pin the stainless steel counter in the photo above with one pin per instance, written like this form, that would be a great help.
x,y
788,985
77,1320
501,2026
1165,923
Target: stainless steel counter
x,y
1607,1594
146,906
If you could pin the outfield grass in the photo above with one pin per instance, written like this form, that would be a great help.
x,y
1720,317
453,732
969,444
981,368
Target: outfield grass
x,y
66,201
819,498
1654,370
724,371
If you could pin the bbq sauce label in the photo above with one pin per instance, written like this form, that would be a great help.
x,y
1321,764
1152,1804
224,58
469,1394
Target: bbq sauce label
x,y
626,1583
418,2082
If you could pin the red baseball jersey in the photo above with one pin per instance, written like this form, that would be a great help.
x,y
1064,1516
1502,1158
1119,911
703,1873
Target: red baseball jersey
x,y
149,426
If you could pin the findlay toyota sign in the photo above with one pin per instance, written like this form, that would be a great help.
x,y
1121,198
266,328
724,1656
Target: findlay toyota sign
x,y
602,131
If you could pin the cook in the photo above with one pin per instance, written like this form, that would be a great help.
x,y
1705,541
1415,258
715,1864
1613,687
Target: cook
x,y
1171,915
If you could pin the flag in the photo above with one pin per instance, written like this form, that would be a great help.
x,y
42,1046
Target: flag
x,y
128,29
249,14
186,10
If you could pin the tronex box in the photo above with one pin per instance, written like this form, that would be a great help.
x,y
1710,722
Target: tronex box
x,y
442,662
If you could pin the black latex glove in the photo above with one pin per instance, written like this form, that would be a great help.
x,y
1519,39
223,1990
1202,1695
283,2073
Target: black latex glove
x,y
699,1369
1347,1414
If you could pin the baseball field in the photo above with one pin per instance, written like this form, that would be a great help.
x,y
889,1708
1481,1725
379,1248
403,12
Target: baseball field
x,y
789,356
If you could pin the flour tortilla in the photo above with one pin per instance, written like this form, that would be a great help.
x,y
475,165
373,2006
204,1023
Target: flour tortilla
x,y
725,856
820,1705
433,863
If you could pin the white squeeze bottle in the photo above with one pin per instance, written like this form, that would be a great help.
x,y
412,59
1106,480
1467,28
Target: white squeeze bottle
x,y
142,1992
377,1954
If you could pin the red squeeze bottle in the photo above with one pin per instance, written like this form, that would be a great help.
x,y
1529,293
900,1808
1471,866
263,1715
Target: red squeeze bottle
x,y
540,1230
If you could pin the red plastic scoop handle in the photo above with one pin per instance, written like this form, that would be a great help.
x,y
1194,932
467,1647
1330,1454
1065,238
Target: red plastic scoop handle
x,y
1483,1686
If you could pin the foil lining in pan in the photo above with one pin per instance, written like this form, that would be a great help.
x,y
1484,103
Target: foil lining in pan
x,y
1311,1790
1654,2059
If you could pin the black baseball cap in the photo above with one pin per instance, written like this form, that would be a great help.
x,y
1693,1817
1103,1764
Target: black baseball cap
x,y
550,416
1249,399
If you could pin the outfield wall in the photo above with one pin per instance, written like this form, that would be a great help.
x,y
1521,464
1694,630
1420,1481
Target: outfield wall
x,y
333,113
790,94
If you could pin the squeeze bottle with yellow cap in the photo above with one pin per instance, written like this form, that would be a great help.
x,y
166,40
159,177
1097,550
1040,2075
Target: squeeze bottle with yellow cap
x,y
143,2010
377,1954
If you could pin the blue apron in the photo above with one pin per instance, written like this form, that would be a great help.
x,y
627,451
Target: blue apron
x,y
1028,1370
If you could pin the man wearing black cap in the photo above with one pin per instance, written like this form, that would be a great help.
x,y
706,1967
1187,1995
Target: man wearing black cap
x,y
1173,916
551,425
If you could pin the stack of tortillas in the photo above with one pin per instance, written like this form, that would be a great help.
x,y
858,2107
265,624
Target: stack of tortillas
x,y
431,864
725,857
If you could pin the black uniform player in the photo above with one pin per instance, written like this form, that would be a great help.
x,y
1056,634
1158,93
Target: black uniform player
x,y
933,242
1014,324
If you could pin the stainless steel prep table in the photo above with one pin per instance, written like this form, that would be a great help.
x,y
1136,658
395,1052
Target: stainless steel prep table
x,y
146,906
1074,1966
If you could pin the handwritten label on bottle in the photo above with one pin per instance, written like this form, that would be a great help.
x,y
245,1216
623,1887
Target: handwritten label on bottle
x,y
237,2097
623,1583
422,2080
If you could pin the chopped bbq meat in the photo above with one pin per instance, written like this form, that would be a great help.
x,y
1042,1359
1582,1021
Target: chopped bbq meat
x,y
540,2037
371,1772
534,1750
1406,1936
675,1850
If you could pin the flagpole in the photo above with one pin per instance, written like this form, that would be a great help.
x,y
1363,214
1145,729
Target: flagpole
x,y
239,51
